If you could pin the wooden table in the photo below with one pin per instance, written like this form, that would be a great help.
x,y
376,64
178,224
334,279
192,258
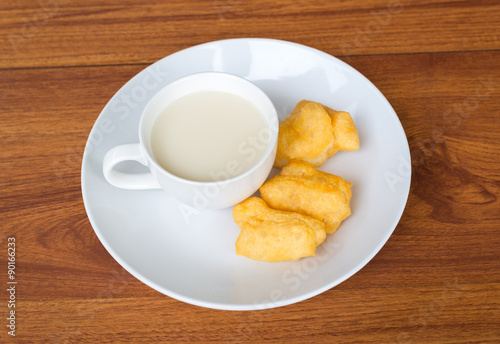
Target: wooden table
x,y
436,280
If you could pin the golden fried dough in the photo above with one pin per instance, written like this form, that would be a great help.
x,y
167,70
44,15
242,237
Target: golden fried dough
x,y
314,133
307,134
273,235
302,188
344,131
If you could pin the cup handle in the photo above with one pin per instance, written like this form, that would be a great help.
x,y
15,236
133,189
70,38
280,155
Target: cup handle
x,y
132,181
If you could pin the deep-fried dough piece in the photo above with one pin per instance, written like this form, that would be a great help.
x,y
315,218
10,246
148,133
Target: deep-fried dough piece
x,y
274,235
313,133
307,134
302,188
344,132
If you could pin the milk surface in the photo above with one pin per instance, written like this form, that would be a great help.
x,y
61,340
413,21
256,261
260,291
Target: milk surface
x,y
209,136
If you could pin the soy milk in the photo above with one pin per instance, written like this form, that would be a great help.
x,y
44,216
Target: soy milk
x,y
209,136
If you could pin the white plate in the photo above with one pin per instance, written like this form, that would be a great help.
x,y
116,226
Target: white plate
x,y
192,258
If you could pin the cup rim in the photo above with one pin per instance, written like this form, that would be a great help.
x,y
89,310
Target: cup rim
x,y
270,145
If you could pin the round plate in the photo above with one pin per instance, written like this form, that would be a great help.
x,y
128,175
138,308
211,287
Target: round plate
x,y
191,256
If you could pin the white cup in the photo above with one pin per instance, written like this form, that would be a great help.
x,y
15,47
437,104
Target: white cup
x,y
211,195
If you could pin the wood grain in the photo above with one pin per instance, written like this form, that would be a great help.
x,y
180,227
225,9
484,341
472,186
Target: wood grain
x,y
435,281
453,200
73,33
383,315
